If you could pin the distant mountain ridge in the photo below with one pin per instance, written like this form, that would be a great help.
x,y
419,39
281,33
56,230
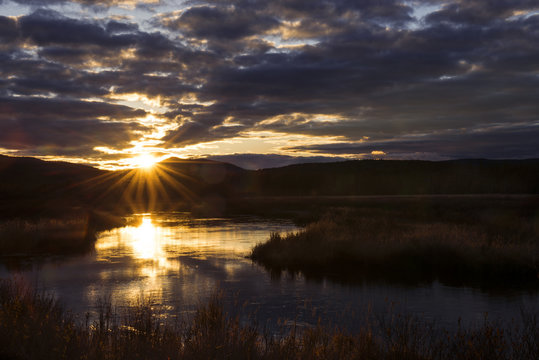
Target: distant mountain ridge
x,y
29,184
403,177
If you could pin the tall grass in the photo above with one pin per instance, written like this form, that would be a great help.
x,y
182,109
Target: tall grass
x,y
45,236
69,234
34,326
352,245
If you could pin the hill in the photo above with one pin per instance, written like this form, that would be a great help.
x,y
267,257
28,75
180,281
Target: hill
x,y
29,185
400,177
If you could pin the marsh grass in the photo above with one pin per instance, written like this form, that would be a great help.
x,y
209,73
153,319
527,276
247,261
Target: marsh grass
x,y
45,236
69,234
34,326
350,245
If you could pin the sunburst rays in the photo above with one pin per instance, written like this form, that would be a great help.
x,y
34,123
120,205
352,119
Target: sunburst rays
x,y
145,187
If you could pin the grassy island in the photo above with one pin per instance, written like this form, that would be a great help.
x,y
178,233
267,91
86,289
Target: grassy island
x,y
463,246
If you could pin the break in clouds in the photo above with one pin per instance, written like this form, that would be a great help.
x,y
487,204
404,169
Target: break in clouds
x,y
409,79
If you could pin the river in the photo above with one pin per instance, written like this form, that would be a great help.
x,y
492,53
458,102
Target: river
x,y
179,262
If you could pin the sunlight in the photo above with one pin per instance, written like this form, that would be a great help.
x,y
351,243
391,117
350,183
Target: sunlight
x,y
147,183
145,244
145,241
145,161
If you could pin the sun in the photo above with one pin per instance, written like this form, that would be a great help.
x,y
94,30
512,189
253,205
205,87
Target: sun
x,y
145,161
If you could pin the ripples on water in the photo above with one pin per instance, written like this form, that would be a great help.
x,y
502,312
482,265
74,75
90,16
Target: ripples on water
x,y
180,261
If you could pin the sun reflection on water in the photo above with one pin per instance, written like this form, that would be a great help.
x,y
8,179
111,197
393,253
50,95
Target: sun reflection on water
x,y
145,243
146,262
148,243
171,256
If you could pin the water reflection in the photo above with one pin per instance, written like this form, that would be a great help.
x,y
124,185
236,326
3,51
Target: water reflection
x,y
179,261
145,241
175,258
144,244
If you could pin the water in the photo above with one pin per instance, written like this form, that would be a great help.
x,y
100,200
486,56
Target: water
x,y
179,262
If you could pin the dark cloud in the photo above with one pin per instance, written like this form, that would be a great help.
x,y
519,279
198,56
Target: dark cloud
x,y
480,12
65,127
27,76
114,26
46,27
381,82
66,109
8,30
65,137
518,141
68,48
391,11
220,23
363,71
90,3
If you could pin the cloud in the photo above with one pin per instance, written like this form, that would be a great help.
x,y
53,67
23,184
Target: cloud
x,y
350,70
45,27
89,3
380,82
219,23
66,109
114,26
519,141
480,12
65,127
371,10
69,51
65,137
8,30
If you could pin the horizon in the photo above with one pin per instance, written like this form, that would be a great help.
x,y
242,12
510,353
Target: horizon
x,y
157,162
115,84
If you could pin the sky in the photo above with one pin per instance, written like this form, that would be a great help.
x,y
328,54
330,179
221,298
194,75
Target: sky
x,y
263,83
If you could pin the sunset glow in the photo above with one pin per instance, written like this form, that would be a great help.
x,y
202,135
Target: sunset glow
x,y
256,85
145,161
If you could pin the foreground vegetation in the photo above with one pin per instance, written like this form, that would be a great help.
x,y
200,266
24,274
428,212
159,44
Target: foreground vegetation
x,y
455,245
34,326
